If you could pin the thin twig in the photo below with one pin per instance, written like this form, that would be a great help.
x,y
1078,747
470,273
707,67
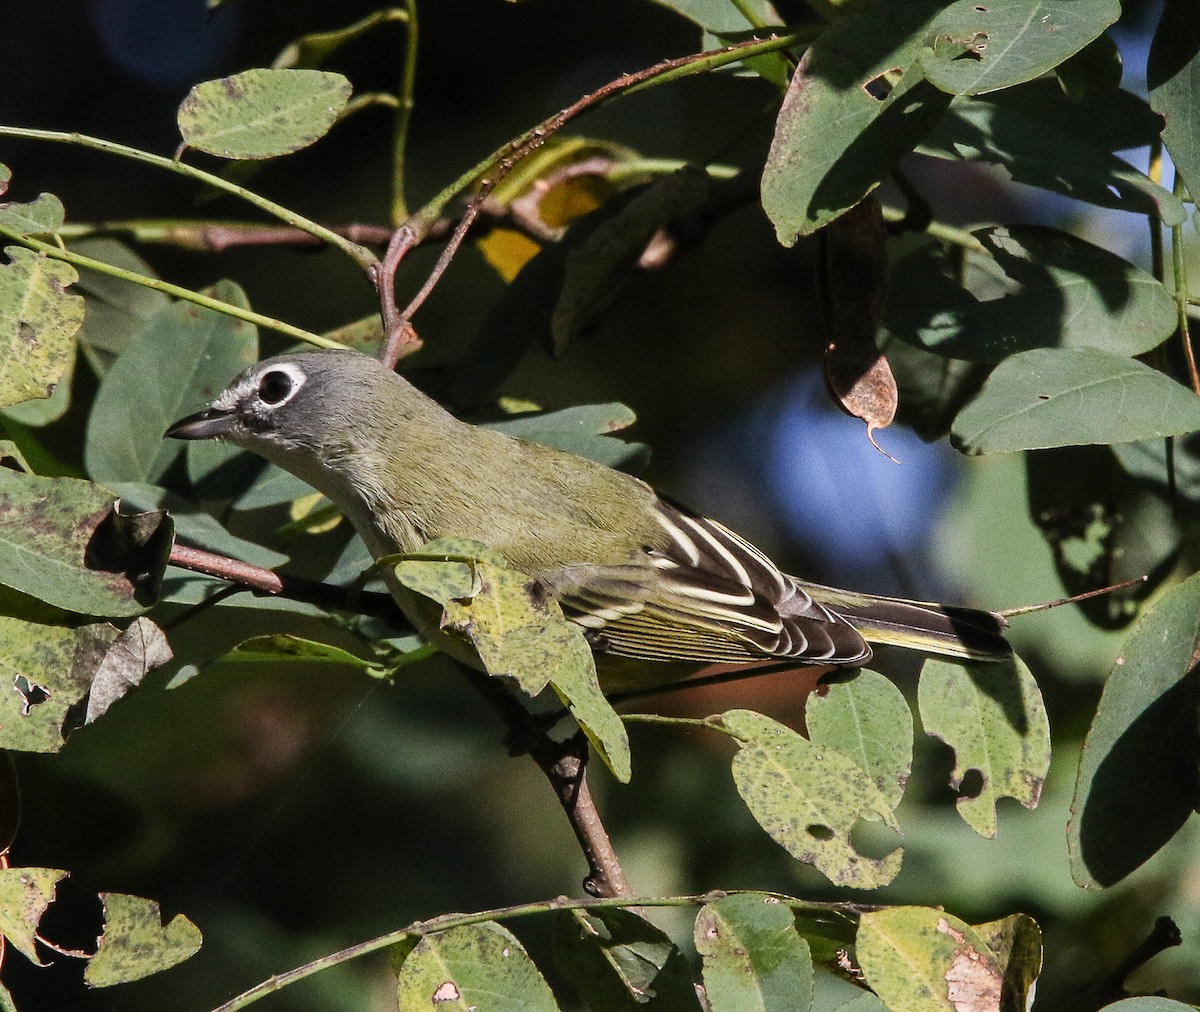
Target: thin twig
x,y
565,766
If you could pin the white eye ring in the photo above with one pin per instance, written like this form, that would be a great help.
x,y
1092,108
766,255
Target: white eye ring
x,y
279,383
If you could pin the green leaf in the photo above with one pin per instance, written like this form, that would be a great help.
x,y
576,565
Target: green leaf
x,y
576,684
116,310
991,713
1136,784
920,960
808,798
135,943
866,719
479,967
857,102
1041,288
286,648
932,389
1065,397
595,269
585,430
45,213
753,957
181,360
47,668
1041,138
620,962
976,48
262,113
60,543
1149,1003
38,319
1173,77
25,893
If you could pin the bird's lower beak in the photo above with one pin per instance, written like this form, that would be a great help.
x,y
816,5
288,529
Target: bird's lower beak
x,y
207,424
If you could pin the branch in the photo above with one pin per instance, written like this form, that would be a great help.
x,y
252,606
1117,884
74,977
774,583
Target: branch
x,y
267,581
401,338
565,766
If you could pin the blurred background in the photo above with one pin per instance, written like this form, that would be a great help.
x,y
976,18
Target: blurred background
x,y
290,812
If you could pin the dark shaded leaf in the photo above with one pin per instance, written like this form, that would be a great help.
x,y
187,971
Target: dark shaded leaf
x,y
1041,288
140,649
1138,775
1173,76
620,962
857,102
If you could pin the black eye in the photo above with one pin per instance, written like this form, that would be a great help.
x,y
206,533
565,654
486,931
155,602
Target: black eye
x,y
274,387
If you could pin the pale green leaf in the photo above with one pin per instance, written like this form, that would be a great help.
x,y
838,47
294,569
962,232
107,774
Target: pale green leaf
x,y
922,960
45,213
1066,397
476,968
868,720
262,113
38,320
992,714
754,959
135,943
25,893
808,798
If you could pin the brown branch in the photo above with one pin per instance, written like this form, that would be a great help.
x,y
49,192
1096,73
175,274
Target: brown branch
x,y
401,341
267,581
565,766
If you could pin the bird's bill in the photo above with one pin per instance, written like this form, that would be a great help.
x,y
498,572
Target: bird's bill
x,y
207,424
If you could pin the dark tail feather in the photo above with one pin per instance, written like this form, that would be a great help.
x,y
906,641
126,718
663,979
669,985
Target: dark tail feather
x,y
948,631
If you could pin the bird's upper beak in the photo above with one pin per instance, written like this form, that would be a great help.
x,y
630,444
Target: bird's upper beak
x,y
211,423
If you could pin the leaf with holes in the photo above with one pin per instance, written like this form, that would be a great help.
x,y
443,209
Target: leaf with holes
x,y
991,713
38,320
262,113
808,798
976,47
857,102
25,893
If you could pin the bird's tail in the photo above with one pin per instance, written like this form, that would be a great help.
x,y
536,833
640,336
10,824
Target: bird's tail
x,y
948,631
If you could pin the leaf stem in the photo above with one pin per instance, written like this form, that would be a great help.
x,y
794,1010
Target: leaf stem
x,y
938,230
447,921
1179,266
408,81
360,254
249,316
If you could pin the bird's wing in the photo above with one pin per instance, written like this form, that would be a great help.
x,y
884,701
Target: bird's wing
x,y
707,595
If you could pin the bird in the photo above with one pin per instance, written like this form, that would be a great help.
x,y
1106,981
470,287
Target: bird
x,y
657,589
